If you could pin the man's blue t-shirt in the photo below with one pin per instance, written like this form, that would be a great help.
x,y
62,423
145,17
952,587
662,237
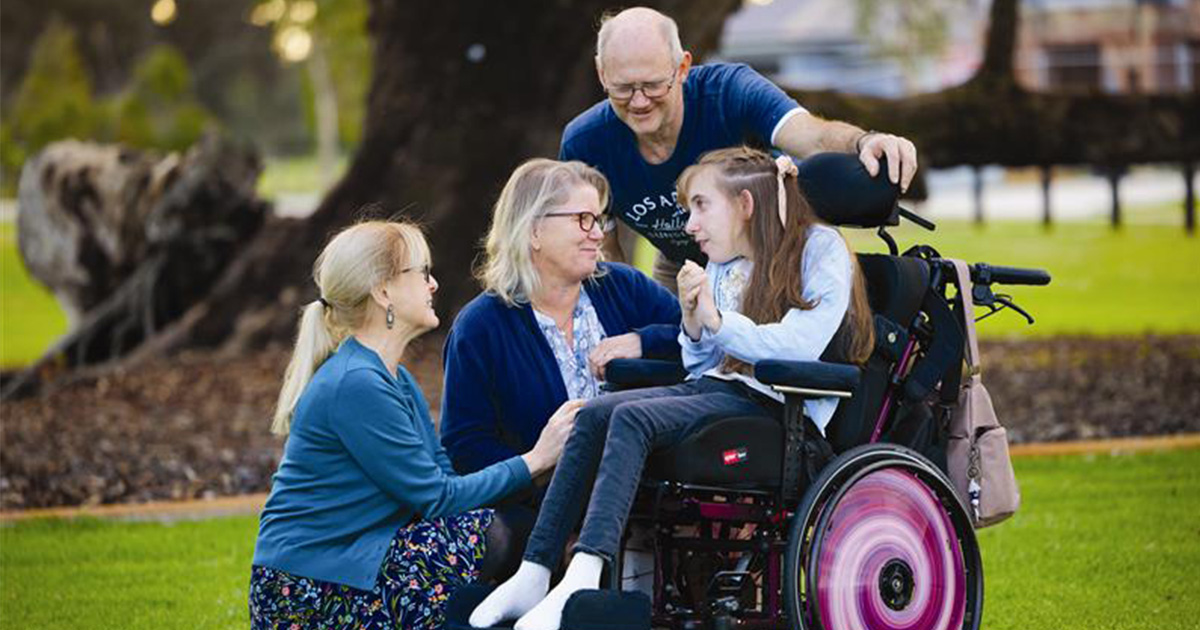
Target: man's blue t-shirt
x,y
725,105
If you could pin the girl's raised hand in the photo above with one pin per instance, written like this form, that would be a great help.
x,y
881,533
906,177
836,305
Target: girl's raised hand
x,y
692,282
706,312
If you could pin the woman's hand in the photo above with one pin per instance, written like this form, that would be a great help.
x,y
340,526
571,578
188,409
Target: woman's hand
x,y
691,282
544,455
627,346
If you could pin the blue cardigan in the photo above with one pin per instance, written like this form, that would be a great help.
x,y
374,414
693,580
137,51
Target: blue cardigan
x,y
361,461
502,382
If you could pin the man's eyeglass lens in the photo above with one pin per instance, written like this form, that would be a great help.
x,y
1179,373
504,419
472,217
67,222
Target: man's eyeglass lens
x,y
651,90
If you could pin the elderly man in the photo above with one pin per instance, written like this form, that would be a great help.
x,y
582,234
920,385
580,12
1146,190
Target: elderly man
x,y
662,113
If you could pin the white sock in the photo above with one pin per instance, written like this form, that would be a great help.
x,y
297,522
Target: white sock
x,y
514,597
582,573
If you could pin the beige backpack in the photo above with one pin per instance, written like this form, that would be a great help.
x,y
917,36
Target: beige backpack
x,y
977,453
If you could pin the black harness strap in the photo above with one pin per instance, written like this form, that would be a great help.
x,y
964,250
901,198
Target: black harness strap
x,y
944,354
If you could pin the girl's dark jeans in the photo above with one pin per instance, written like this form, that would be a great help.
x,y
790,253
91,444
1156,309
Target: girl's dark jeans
x,y
607,451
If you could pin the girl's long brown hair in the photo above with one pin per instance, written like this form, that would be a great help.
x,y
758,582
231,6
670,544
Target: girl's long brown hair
x,y
777,283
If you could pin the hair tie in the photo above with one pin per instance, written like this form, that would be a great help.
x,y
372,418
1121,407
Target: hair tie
x,y
784,166
323,302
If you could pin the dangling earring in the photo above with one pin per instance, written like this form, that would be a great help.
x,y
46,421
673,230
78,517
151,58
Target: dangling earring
x,y
391,317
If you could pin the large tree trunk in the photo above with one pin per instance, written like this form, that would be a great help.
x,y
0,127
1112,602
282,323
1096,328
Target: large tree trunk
x,y
461,92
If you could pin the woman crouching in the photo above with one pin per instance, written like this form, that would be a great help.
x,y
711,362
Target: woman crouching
x,y
367,524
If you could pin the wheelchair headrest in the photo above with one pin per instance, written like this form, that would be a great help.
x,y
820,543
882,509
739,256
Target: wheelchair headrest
x,y
842,193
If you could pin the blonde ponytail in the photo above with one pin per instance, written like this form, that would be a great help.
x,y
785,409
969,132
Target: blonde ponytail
x,y
358,259
314,343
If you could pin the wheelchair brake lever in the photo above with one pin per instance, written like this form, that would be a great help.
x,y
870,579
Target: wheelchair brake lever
x,y
1007,301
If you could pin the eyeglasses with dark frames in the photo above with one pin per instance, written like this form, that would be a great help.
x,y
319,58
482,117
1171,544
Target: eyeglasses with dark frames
x,y
653,90
426,271
587,220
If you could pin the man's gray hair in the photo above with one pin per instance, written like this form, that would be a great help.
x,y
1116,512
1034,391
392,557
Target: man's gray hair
x,y
666,26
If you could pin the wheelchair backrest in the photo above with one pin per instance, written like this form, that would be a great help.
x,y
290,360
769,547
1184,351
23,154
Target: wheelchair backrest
x,y
842,193
896,287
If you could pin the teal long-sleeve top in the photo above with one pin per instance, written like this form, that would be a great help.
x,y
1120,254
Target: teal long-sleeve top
x,y
361,460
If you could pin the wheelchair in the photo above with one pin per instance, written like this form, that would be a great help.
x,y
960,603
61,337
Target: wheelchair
x,y
764,523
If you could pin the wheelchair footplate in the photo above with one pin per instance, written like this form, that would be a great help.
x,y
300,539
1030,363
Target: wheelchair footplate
x,y
599,609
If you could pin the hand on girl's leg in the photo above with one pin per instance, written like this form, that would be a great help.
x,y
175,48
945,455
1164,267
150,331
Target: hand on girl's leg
x,y
583,573
515,597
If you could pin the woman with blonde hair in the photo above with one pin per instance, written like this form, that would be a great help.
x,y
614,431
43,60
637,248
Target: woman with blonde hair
x,y
551,316
367,524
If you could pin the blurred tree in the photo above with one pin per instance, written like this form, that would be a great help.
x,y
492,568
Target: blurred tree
x,y
909,32
110,36
328,38
159,108
54,100
460,93
234,73
992,119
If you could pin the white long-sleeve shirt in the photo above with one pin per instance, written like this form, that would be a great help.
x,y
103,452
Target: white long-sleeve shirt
x,y
801,335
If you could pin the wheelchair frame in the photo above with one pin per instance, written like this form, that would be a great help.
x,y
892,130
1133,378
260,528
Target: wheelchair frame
x,y
773,586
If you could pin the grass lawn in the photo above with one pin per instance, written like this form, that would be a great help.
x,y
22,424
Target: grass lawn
x,y
1137,280
30,319
300,174
99,574
1102,542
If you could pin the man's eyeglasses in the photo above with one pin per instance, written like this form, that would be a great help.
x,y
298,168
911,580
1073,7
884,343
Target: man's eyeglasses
x,y
425,270
587,220
653,90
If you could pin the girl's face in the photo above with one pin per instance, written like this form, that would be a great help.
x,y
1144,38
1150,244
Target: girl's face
x,y
717,221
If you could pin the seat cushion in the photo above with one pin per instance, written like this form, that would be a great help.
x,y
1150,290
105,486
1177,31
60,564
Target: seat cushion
x,y
736,452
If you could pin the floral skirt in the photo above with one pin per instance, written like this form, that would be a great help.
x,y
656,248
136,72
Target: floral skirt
x,y
426,562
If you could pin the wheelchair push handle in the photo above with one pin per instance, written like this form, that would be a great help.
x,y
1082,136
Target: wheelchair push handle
x,y
983,273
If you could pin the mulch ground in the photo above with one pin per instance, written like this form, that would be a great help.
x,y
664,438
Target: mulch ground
x,y
197,426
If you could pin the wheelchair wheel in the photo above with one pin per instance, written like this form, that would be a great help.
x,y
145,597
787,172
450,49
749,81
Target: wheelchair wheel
x,y
880,541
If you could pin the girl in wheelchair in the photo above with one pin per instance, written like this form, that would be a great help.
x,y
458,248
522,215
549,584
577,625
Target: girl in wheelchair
x,y
779,284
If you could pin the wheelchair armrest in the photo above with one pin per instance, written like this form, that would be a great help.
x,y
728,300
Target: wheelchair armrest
x,y
632,373
810,379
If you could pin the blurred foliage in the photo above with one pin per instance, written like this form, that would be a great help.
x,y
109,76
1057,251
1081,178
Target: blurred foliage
x,y
54,101
156,110
910,32
336,30
342,30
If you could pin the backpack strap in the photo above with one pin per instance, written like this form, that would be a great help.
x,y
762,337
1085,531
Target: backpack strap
x,y
963,280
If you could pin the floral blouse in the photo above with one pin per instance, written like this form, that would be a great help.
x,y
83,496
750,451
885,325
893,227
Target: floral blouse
x,y
573,358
